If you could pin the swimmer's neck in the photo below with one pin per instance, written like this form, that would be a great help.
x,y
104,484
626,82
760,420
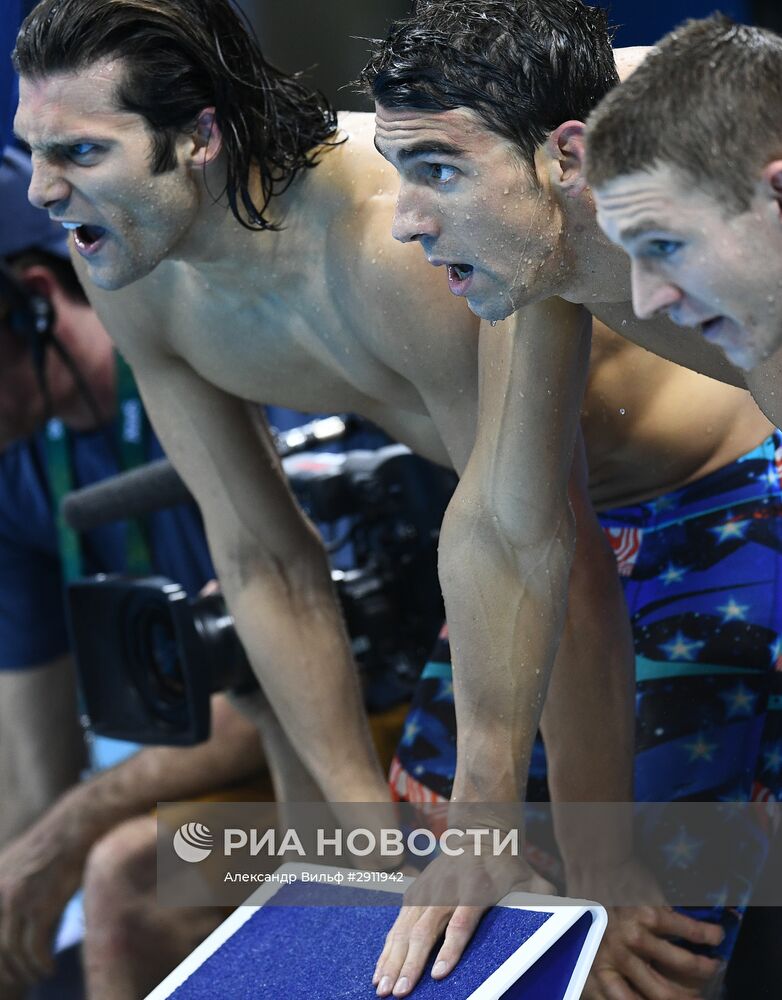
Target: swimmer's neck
x,y
216,240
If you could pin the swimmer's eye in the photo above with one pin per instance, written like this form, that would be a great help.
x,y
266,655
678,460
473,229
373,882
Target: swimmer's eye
x,y
662,248
83,152
440,173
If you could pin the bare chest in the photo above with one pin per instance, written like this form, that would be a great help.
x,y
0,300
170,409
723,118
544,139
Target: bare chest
x,y
276,350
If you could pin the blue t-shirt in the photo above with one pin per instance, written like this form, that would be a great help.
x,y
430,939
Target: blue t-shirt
x,y
32,613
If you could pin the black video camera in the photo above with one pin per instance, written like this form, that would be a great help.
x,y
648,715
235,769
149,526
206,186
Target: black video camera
x,y
149,657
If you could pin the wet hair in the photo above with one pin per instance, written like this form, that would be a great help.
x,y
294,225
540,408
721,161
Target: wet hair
x,y
706,101
179,57
524,66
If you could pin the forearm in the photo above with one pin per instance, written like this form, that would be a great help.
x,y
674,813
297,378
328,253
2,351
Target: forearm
x,y
588,721
505,607
292,628
157,774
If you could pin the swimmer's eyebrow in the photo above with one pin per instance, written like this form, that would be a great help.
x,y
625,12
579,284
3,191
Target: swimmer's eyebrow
x,y
58,143
423,148
641,229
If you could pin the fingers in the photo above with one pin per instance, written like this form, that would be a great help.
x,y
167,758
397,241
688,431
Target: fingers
x,y
408,944
458,933
609,985
664,921
37,947
651,984
683,965
16,967
26,929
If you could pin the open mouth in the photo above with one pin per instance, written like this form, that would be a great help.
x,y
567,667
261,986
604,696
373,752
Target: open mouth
x,y
711,327
87,238
459,277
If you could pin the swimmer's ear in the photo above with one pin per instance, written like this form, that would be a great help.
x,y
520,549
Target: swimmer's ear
x,y
772,180
207,138
565,148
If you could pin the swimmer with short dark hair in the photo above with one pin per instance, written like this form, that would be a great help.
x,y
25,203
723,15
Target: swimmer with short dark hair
x,y
481,107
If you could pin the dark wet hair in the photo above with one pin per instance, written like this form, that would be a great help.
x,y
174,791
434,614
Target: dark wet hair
x,y
524,66
181,56
707,101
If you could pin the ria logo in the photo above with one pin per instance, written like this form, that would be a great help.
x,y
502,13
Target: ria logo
x,y
193,842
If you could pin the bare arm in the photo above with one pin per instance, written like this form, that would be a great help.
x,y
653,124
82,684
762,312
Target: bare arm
x,y
588,725
505,554
273,571
507,543
588,721
765,384
41,741
42,869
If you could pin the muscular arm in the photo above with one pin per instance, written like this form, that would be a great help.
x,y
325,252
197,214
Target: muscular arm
x,y
270,561
507,543
588,721
505,553
273,571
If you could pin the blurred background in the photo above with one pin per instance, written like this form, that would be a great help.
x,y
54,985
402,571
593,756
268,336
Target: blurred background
x,y
328,40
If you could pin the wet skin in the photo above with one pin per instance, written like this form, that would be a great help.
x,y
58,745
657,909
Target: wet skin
x,y
468,200
471,203
699,263
331,313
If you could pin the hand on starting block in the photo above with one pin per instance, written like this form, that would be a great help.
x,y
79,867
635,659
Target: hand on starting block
x,y
476,883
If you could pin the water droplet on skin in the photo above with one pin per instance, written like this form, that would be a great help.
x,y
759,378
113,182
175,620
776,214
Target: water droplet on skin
x,y
622,410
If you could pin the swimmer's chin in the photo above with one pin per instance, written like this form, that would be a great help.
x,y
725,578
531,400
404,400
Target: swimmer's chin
x,y
492,312
114,282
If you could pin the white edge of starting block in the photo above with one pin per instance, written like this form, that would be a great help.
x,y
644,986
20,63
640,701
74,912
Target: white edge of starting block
x,y
563,916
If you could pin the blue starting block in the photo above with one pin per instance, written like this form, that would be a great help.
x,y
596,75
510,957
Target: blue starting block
x,y
320,941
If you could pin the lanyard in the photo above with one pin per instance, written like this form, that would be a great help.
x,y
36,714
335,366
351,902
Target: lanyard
x,y
130,448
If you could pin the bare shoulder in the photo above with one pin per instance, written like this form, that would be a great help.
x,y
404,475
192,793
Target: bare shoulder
x,y
629,59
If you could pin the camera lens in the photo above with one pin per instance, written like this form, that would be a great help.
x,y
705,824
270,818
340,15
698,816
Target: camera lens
x,y
156,648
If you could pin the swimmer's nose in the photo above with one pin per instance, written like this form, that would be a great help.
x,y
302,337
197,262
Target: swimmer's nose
x,y
652,294
411,220
47,186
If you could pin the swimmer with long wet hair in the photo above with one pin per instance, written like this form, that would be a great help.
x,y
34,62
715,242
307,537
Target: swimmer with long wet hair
x,y
237,246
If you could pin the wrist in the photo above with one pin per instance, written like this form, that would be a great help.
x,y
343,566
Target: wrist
x,y
77,820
